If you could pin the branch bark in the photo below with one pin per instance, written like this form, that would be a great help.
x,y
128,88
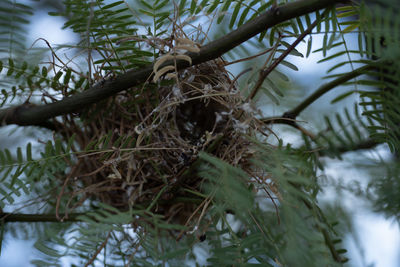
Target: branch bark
x,y
39,115
292,114
19,217
289,117
365,144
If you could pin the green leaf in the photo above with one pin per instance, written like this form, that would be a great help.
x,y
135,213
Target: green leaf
x,y
213,6
112,5
179,253
350,28
273,87
67,76
193,6
235,14
39,245
324,45
294,27
202,6
289,65
347,14
269,95
57,76
29,152
300,24
309,46
146,4
161,5
78,85
10,67
20,158
282,76
182,5
331,57
245,13
223,11
6,196
342,96
271,36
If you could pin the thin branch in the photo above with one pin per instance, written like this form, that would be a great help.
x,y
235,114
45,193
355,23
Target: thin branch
x,y
292,114
288,121
266,72
248,58
321,217
93,258
365,144
37,115
289,117
18,217
8,217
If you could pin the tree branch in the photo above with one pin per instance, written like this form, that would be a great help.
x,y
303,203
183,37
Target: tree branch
x,y
289,117
264,73
19,217
38,115
365,144
292,114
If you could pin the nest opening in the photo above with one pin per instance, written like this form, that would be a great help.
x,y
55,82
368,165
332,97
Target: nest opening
x,y
195,118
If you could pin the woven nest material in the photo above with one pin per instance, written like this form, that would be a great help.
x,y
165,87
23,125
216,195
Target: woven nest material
x,y
145,142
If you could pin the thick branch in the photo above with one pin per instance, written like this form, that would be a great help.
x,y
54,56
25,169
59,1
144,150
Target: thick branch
x,y
37,115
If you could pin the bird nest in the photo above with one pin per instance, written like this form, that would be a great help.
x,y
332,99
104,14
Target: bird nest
x,y
142,146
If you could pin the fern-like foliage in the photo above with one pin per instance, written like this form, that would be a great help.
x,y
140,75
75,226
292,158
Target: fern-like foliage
x,y
23,81
377,28
108,35
255,219
268,217
14,17
342,133
22,174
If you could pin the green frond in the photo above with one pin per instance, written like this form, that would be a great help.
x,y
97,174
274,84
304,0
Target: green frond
x,y
347,131
21,173
387,191
109,32
14,18
21,80
227,181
